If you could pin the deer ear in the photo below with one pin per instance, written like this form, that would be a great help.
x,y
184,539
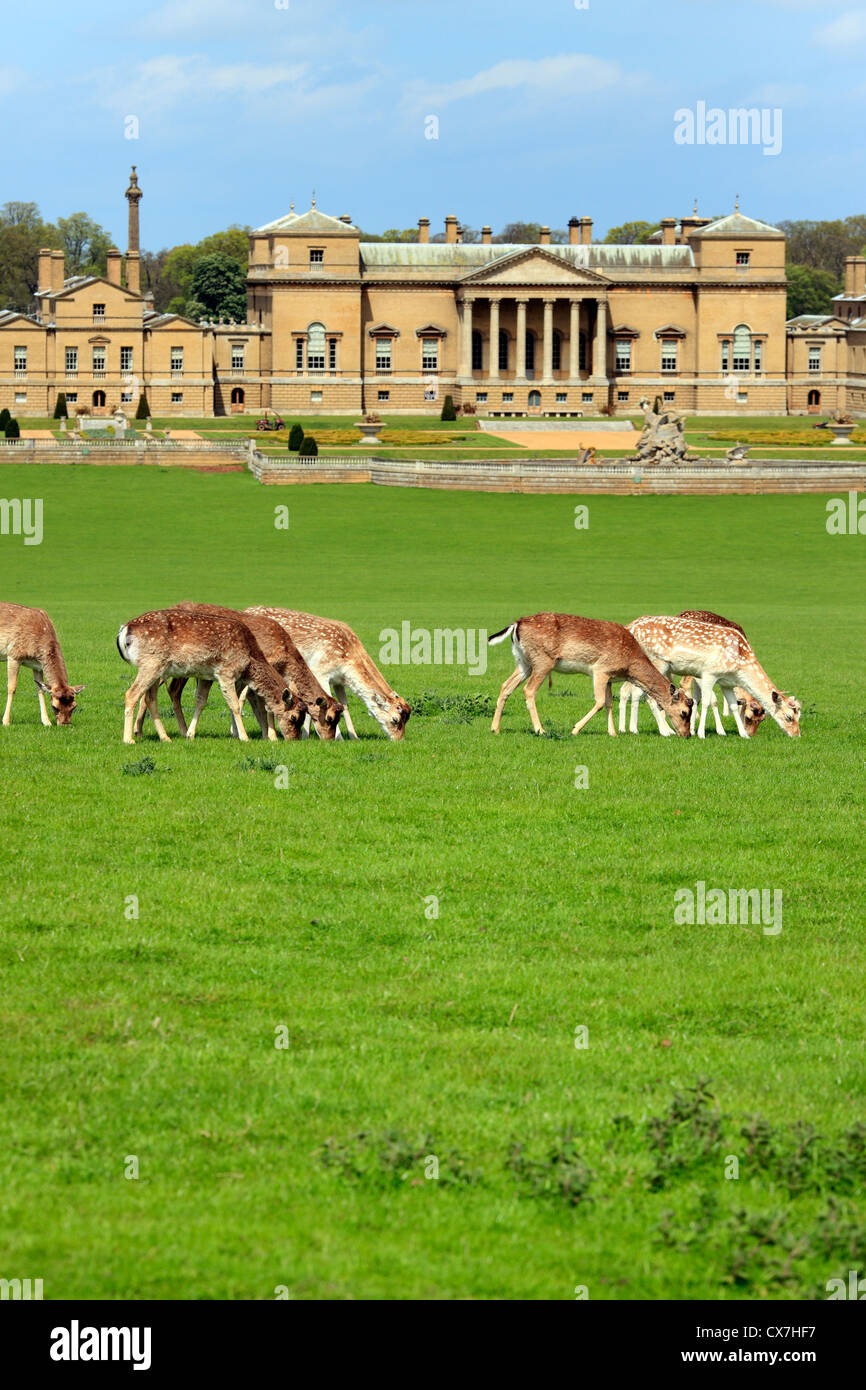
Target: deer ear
x,y
320,701
776,697
287,697
77,689
673,691
46,689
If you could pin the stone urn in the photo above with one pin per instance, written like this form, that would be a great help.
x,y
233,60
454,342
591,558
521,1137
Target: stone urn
x,y
370,429
841,431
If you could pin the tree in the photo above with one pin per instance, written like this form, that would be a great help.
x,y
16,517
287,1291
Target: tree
x,y
22,236
448,411
218,288
5,417
143,411
296,438
60,411
631,233
12,429
85,244
824,245
309,447
810,291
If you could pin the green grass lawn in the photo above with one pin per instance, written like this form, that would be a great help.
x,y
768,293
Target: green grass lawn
x,y
413,1037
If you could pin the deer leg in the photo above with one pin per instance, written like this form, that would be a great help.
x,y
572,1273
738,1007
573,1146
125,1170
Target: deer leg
x,y
624,697
12,686
152,701
508,688
175,690
733,705
231,698
40,694
262,716
202,691
140,716
533,685
601,686
714,705
142,683
338,690
705,684
608,697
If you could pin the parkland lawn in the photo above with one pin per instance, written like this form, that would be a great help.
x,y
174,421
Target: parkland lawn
x,y
304,915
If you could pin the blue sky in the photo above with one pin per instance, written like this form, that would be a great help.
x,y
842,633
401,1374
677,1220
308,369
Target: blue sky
x,y
545,110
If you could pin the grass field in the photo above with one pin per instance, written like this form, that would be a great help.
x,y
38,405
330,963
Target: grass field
x,y
410,1036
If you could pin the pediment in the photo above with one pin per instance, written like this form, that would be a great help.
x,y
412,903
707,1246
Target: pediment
x,y
383,330
670,330
534,265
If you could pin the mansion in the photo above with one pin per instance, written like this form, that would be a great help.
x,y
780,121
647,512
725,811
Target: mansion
x,y
337,325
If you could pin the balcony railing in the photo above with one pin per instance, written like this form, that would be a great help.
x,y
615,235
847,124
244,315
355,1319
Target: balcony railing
x,y
177,373
98,375
99,320
20,373
71,373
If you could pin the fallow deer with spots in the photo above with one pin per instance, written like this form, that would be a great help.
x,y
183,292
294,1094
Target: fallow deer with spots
x,y
27,638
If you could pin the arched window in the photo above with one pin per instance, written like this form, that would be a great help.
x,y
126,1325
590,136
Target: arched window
x,y
535,400
742,356
503,350
581,361
316,347
237,395
530,352
814,400
99,399
477,350
557,350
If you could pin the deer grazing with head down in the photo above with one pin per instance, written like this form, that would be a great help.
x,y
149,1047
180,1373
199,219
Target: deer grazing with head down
x,y
751,710
337,658
27,638
177,642
606,651
280,652
715,655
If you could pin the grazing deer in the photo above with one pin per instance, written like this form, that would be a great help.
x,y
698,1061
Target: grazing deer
x,y
280,652
336,656
751,711
27,638
606,651
177,642
714,654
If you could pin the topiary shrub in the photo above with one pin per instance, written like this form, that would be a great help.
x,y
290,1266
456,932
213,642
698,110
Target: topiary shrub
x,y
60,411
296,438
448,411
12,430
5,417
308,447
143,411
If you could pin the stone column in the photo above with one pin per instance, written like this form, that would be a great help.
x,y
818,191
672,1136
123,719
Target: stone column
x,y
599,349
493,364
574,340
521,340
466,346
547,358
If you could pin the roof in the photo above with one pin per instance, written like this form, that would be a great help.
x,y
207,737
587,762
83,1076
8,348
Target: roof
x,y
815,321
736,225
305,223
444,260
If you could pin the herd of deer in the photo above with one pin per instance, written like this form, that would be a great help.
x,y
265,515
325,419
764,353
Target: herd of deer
x,y
295,669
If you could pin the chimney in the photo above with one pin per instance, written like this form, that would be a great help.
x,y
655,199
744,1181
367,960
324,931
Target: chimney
x,y
57,273
486,236
849,273
423,231
586,231
133,272
451,230
544,236
860,275
44,271
113,260
574,231
669,229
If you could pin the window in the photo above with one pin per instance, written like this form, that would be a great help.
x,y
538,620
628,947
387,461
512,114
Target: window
x,y
177,359
622,395
315,398
535,400
431,394
507,397
757,349
503,350
299,354
125,396
317,256
430,354
383,354
669,354
587,398
383,395
744,257
561,397
623,355
530,353
332,354
670,396
814,359
481,397
20,355
742,348
99,311
99,359
238,351
71,397
477,351
71,360
316,347
237,395
176,397
20,397
557,350
126,359
726,357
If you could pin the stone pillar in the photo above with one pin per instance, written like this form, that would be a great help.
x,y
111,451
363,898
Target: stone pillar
x,y
574,340
466,345
521,340
133,272
493,364
547,358
599,347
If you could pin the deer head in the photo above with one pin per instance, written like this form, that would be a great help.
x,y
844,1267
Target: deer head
x,y
62,699
397,717
752,713
327,716
678,708
786,712
292,716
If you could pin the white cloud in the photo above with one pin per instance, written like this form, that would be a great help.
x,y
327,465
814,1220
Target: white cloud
x,y
573,73
849,29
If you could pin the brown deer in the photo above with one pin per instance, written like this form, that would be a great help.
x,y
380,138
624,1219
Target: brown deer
x,y
27,638
606,651
280,652
336,656
176,642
